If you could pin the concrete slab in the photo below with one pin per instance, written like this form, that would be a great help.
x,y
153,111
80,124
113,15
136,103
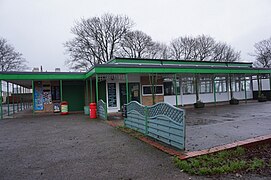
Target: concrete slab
x,y
223,124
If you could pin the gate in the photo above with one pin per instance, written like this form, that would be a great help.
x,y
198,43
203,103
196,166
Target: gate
x,y
161,121
102,109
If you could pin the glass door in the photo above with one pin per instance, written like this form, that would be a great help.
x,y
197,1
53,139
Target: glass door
x,y
133,93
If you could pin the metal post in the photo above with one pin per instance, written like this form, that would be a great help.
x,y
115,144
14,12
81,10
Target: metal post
x,y
259,86
13,105
127,88
181,91
21,99
1,99
61,90
8,96
17,97
245,89
33,102
90,86
214,89
87,92
270,86
175,86
97,88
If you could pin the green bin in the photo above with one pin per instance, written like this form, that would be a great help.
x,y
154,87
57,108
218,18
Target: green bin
x,y
86,110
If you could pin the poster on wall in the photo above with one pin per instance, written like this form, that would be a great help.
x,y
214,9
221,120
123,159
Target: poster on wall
x,y
112,97
38,97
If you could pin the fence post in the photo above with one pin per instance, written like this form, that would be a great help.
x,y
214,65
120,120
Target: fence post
x,y
146,119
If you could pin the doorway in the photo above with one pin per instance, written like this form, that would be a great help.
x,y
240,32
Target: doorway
x,y
133,93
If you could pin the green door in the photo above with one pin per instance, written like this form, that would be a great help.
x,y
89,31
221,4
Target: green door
x,y
73,93
133,92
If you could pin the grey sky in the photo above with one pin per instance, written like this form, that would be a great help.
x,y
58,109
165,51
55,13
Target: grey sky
x,y
38,28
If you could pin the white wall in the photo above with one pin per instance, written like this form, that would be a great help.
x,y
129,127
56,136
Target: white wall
x,y
132,78
206,98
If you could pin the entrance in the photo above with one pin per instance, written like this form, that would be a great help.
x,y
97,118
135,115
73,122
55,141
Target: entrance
x,y
133,93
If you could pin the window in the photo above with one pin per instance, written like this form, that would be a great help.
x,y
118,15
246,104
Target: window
x,y
221,84
205,85
169,88
188,85
147,90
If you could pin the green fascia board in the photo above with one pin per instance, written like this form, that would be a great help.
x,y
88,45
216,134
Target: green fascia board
x,y
90,73
169,62
41,76
138,70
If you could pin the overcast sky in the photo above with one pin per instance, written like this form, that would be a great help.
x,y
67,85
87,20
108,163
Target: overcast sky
x,y
38,28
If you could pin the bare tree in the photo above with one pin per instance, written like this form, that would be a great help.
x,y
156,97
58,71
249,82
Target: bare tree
x,y
10,60
158,51
225,53
202,48
96,40
262,52
136,44
183,48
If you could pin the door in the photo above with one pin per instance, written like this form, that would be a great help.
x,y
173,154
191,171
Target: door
x,y
133,92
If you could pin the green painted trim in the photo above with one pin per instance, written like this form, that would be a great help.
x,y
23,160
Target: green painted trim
x,y
1,99
245,89
175,86
214,89
90,73
8,97
90,86
86,92
39,76
97,88
13,105
259,86
127,88
61,90
136,70
270,82
21,99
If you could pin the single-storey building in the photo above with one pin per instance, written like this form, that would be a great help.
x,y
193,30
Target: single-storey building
x,y
147,81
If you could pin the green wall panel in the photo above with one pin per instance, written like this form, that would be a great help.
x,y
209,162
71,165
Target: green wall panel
x,y
73,93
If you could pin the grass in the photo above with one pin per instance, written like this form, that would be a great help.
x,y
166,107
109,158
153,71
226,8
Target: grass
x,y
227,161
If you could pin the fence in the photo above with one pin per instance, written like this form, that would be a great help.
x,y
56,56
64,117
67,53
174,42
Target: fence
x,y
102,109
161,121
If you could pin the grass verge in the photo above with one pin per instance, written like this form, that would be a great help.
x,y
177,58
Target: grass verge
x,y
228,161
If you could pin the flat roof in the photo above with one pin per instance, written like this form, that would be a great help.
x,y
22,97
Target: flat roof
x,y
142,66
118,60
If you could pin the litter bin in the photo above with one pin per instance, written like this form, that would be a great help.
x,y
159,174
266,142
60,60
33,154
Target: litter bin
x,y
86,110
64,108
92,111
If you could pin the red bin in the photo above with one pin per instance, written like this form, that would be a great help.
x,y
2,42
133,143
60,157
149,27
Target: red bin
x,y
92,111
64,108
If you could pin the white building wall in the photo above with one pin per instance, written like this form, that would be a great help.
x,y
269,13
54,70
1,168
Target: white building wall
x,y
206,98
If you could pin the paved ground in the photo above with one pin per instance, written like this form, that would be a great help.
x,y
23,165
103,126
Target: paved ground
x,y
73,147
224,124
